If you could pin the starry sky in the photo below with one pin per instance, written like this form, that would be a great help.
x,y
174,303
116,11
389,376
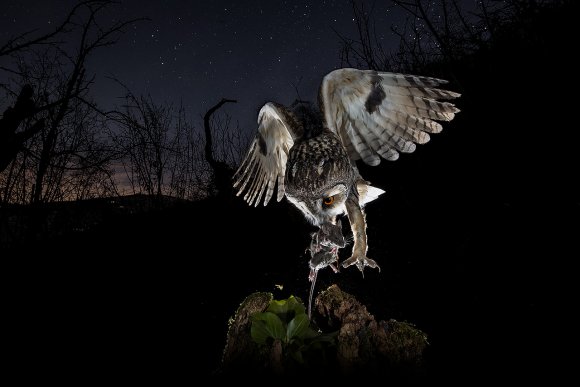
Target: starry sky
x,y
197,52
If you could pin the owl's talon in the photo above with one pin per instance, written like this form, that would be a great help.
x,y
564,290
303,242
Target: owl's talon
x,y
361,262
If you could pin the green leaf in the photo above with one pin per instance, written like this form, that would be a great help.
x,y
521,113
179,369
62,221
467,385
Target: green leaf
x,y
278,307
269,322
298,326
259,332
296,305
297,355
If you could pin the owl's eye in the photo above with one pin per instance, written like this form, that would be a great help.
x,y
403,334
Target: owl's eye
x,y
328,201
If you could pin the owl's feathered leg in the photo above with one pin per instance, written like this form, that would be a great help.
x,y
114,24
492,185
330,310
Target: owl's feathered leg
x,y
358,226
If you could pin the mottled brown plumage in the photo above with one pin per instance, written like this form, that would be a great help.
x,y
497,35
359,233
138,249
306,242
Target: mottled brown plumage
x,y
312,154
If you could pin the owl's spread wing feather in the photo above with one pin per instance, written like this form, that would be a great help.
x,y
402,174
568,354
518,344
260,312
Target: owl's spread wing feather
x,y
381,114
266,159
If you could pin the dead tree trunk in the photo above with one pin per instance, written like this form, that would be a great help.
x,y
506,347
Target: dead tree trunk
x,y
11,142
222,172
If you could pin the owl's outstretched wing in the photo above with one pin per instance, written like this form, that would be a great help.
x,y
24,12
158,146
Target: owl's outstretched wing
x,y
266,159
381,114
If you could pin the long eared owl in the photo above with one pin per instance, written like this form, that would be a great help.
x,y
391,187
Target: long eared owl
x,y
312,153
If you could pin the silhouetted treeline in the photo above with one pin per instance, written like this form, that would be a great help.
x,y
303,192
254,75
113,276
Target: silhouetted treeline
x,y
57,144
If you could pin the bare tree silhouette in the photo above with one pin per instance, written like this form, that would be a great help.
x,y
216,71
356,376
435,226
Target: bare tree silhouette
x,y
222,172
28,40
162,154
434,31
12,142
150,139
55,148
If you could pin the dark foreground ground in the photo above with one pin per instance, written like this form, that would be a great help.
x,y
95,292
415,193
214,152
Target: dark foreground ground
x,y
149,295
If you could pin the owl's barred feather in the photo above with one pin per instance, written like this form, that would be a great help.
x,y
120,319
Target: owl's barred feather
x,y
365,115
266,160
385,126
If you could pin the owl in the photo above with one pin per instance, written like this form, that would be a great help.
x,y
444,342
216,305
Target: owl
x,y
311,154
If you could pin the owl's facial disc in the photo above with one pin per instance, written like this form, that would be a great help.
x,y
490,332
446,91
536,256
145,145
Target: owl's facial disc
x,y
322,207
332,202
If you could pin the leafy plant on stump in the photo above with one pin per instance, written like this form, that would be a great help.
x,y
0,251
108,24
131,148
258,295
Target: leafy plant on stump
x,y
285,327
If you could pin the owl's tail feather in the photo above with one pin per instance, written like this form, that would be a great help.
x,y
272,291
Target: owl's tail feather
x,y
367,193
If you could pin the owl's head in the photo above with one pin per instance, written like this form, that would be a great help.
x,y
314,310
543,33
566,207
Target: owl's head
x,y
322,206
319,177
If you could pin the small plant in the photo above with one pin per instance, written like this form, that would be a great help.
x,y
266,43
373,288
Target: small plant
x,y
287,321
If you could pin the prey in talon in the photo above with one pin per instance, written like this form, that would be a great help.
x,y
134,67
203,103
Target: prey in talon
x,y
324,248
322,259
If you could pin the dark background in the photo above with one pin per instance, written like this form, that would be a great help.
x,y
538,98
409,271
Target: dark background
x,y
475,236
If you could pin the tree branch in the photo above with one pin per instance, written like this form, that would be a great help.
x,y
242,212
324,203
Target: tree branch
x,y
208,136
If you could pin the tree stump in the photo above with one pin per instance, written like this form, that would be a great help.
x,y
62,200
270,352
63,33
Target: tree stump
x,y
363,347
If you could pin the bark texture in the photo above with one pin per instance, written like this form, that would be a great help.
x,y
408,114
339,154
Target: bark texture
x,y
364,346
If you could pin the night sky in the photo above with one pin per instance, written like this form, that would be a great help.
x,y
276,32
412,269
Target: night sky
x,y
199,52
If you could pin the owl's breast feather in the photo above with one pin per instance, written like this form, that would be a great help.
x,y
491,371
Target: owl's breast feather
x,y
316,165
